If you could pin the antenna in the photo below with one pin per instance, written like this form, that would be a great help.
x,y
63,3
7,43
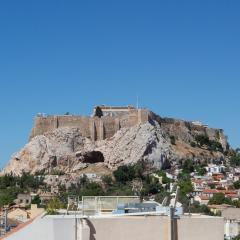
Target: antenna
x,y
137,102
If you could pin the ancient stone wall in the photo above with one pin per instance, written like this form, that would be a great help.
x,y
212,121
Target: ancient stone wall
x,y
90,127
49,123
105,127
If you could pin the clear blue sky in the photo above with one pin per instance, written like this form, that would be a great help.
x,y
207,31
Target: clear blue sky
x,y
181,57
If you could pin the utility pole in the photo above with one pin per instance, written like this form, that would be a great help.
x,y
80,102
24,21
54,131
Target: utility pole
x,y
173,219
172,222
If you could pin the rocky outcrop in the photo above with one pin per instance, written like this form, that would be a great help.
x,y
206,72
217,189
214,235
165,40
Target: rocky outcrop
x,y
186,131
68,150
145,142
54,150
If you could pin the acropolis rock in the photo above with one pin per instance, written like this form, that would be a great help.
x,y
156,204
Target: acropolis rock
x,y
121,135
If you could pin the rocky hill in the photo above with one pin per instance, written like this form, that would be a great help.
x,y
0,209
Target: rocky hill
x,y
158,142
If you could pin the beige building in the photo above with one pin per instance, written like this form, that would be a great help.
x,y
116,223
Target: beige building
x,y
62,227
23,215
23,199
46,196
18,214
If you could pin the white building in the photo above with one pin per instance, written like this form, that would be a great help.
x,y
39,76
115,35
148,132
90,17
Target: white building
x,y
213,169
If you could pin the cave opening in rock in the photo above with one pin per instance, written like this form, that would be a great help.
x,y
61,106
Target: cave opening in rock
x,y
92,157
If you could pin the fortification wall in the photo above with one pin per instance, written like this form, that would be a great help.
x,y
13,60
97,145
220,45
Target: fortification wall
x,y
105,127
50,123
90,127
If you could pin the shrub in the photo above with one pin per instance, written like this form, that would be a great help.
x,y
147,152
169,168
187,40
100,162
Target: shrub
x,y
36,200
212,144
219,198
107,180
202,140
200,170
235,160
124,174
236,184
163,174
53,206
188,166
92,189
215,146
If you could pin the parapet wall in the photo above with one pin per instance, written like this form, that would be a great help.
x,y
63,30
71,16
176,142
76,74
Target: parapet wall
x,y
91,127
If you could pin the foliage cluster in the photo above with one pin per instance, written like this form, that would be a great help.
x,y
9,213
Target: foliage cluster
x,y
235,158
219,198
11,185
213,145
190,166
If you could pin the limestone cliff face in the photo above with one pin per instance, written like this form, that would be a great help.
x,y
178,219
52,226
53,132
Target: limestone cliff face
x,y
68,149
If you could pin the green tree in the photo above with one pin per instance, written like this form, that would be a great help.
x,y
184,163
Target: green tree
x,y
36,200
236,203
151,186
236,185
165,179
107,180
53,206
219,198
201,171
197,208
124,174
202,140
8,195
139,170
92,189
235,160
188,166
215,146
186,186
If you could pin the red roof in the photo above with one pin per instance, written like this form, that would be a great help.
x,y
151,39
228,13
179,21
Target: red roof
x,y
232,195
228,193
204,197
210,191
